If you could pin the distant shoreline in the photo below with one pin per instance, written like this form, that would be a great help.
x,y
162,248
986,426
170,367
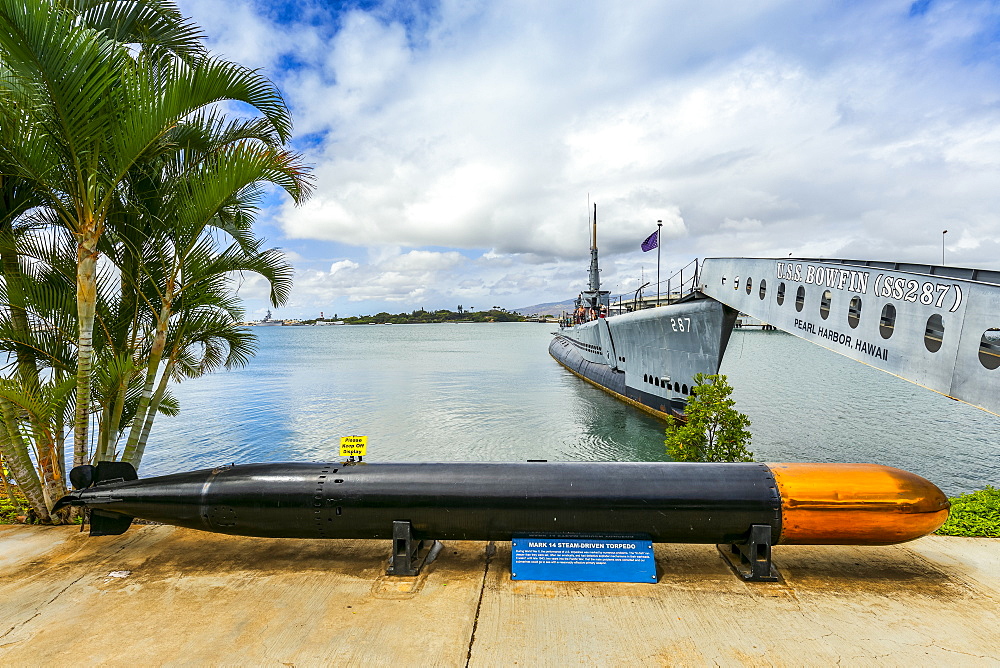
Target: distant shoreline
x,y
419,317
532,321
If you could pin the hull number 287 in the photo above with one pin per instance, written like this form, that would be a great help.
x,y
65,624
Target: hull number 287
x,y
680,324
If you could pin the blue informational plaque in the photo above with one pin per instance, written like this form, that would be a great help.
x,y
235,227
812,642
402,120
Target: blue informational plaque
x,y
582,557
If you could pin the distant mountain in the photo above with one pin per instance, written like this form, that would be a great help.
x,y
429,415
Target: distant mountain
x,y
550,308
555,308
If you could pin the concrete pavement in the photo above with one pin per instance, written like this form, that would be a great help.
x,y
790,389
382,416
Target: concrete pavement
x,y
161,595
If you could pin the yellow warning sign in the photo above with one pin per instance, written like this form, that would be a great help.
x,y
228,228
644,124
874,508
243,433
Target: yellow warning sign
x,y
353,446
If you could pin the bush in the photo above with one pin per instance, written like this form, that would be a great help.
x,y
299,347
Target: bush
x,y
713,431
974,514
9,510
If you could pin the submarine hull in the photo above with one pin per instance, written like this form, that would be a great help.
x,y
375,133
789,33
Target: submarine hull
x,y
649,358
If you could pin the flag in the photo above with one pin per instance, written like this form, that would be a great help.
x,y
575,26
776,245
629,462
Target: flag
x,y
651,242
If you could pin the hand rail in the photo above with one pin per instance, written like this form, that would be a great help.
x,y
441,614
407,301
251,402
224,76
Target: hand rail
x,y
684,287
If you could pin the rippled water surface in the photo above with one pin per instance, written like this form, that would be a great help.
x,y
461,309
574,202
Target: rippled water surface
x,y
490,392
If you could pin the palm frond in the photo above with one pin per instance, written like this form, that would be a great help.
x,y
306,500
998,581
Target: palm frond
x,y
157,26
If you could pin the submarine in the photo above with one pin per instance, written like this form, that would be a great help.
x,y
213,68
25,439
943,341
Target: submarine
x,y
646,357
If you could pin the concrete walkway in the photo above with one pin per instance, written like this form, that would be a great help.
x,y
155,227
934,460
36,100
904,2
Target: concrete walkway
x,y
161,595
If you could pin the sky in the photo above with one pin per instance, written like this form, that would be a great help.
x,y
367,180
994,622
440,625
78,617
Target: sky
x,y
456,144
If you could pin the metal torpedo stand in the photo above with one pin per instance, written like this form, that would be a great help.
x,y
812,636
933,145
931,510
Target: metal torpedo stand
x,y
751,560
409,554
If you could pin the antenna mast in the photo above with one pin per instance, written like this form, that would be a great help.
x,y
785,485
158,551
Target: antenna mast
x,y
595,276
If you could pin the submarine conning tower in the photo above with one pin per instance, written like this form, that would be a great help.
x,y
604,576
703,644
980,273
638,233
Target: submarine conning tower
x,y
593,301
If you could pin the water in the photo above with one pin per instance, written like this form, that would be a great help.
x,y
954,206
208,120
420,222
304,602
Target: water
x,y
490,392
809,404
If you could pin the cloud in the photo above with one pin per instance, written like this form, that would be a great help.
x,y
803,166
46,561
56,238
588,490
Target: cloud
x,y
744,225
751,129
388,276
348,265
236,30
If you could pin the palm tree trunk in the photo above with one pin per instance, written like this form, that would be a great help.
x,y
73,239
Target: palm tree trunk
x,y
155,357
154,406
103,436
86,306
113,423
3,476
15,451
53,485
59,429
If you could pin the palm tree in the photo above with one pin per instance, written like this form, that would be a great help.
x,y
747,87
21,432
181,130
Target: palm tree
x,y
208,191
16,198
36,331
86,111
95,100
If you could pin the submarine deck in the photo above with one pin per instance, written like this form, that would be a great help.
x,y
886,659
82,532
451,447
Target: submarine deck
x,y
161,595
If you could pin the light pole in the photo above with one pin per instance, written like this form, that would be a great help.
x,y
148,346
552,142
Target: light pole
x,y
944,232
659,226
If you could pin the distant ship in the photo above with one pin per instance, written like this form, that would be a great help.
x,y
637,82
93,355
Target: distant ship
x,y
648,357
267,322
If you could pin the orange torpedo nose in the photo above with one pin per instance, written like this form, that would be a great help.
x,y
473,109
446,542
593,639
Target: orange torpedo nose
x,y
855,504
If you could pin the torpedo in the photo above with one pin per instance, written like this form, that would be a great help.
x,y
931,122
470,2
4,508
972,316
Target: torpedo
x,y
671,502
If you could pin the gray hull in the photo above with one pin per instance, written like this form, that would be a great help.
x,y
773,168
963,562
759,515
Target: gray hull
x,y
649,358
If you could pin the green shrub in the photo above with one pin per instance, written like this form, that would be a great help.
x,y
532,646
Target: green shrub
x,y
9,510
714,430
974,514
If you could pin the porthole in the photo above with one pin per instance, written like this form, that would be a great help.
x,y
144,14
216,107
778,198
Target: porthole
x,y
989,349
854,312
763,288
781,293
684,389
656,381
800,298
677,387
736,283
645,378
888,321
824,304
934,333
749,285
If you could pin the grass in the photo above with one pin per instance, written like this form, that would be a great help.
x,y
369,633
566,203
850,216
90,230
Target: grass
x,y
15,510
10,509
974,514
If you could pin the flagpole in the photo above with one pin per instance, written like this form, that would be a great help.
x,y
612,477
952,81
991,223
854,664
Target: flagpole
x,y
659,226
